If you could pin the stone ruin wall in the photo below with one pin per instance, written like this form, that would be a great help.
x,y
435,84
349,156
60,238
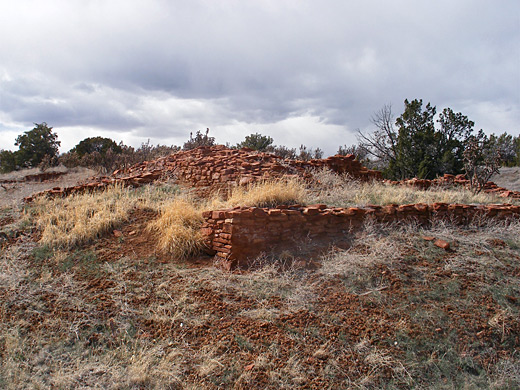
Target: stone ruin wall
x,y
37,177
213,169
238,236
219,168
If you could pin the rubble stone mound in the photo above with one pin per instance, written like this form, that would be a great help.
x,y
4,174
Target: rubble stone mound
x,y
209,169
218,167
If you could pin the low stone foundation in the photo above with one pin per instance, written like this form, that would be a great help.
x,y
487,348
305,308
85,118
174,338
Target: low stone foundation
x,y
238,236
448,181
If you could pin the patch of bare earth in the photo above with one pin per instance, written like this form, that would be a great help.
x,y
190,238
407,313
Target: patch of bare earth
x,y
14,188
508,177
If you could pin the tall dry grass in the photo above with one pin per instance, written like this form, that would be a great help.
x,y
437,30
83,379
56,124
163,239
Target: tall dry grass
x,y
342,191
78,219
269,193
178,228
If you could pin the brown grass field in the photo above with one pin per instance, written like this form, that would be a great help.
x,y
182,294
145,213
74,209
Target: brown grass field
x,y
82,308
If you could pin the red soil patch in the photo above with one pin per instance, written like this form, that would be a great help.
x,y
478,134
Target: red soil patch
x,y
135,241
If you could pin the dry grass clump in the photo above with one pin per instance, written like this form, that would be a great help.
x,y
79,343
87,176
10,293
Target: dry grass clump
x,y
178,229
70,221
343,191
269,193
78,219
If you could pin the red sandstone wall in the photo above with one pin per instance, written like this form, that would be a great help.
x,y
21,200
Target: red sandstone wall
x,y
241,234
217,168
98,184
38,177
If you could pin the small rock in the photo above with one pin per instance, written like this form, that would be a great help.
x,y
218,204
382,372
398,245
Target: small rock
x,y
321,354
442,244
117,233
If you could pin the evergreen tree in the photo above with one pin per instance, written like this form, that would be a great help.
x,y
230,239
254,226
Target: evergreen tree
x,y
416,141
256,142
96,144
35,144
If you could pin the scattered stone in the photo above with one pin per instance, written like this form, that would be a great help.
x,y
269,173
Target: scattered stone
x,y
442,244
321,354
211,169
497,242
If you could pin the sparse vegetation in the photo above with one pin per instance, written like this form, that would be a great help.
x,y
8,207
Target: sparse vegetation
x,y
342,191
269,193
392,311
105,155
178,229
82,307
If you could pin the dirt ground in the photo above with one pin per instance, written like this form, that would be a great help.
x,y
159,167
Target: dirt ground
x,y
393,311
509,177
13,187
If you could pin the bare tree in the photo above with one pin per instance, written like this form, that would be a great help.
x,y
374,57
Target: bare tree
x,y
382,143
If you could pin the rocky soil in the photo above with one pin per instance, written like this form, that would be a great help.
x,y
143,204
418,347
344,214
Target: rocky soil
x,y
398,306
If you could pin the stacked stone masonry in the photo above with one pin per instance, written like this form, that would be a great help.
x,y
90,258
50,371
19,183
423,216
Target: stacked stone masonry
x,y
238,236
218,168
96,184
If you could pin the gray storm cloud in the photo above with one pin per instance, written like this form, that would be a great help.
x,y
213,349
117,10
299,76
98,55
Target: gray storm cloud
x,y
160,69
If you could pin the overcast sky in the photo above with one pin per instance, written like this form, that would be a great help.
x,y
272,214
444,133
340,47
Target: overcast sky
x,y
310,72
